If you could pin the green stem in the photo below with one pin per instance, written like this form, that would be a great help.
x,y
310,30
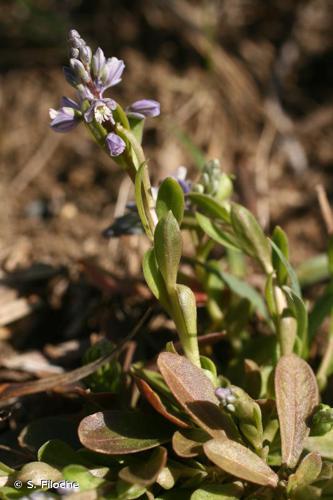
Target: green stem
x,y
326,362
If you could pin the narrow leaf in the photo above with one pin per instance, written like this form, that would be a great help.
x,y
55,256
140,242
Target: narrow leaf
x,y
153,398
168,248
296,396
210,207
140,197
195,392
251,236
120,432
217,234
294,283
170,197
280,239
154,278
239,461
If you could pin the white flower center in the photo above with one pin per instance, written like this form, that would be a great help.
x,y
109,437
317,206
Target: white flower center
x,y
102,113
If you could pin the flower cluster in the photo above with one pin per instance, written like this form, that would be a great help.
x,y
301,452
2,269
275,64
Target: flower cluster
x,y
91,75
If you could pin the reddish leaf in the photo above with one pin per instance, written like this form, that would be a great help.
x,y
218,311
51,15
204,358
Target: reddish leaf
x,y
121,432
195,392
155,401
239,461
296,393
188,443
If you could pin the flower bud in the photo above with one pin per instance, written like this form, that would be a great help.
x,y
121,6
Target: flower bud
x,y
79,70
322,420
85,54
115,144
74,53
98,62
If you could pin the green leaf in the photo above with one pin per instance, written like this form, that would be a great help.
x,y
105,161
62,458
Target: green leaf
x,y
321,444
239,461
117,432
140,197
195,392
82,475
300,312
127,491
307,471
313,270
280,239
37,472
230,491
154,279
251,237
137,126
210,207
215,233
60,454
246,291
168,248
296,397
185,317
145,472
170,197
321,309
291,273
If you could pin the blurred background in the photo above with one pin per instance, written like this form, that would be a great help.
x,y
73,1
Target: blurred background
x,y
246,81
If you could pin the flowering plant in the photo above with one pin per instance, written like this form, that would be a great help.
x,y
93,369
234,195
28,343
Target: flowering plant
x,y
249,426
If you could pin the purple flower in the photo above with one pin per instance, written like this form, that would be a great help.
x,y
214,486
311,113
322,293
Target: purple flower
x,y
67,117
115,144
100,110
143,108
112,72
180,176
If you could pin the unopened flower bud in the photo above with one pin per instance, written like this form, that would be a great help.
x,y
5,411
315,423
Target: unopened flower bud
x,y
98,62
85,54
79,70
74,53
70,76
322,420
73,34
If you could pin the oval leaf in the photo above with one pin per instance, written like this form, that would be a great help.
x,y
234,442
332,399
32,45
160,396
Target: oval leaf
x,y
307,471
239,461
170,197
122,432
154,279
296,396
145,472
196,393
188,443
168,248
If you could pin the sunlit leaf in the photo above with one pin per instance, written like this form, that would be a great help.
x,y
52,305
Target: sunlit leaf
x,y
281,241
209,206
36,472
154,278
215,233
140,198
240,461
294,284
307,471
168,248
170,197
196,393
145,472
120,432
230,491
251,236
296,396
60,454
83,476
